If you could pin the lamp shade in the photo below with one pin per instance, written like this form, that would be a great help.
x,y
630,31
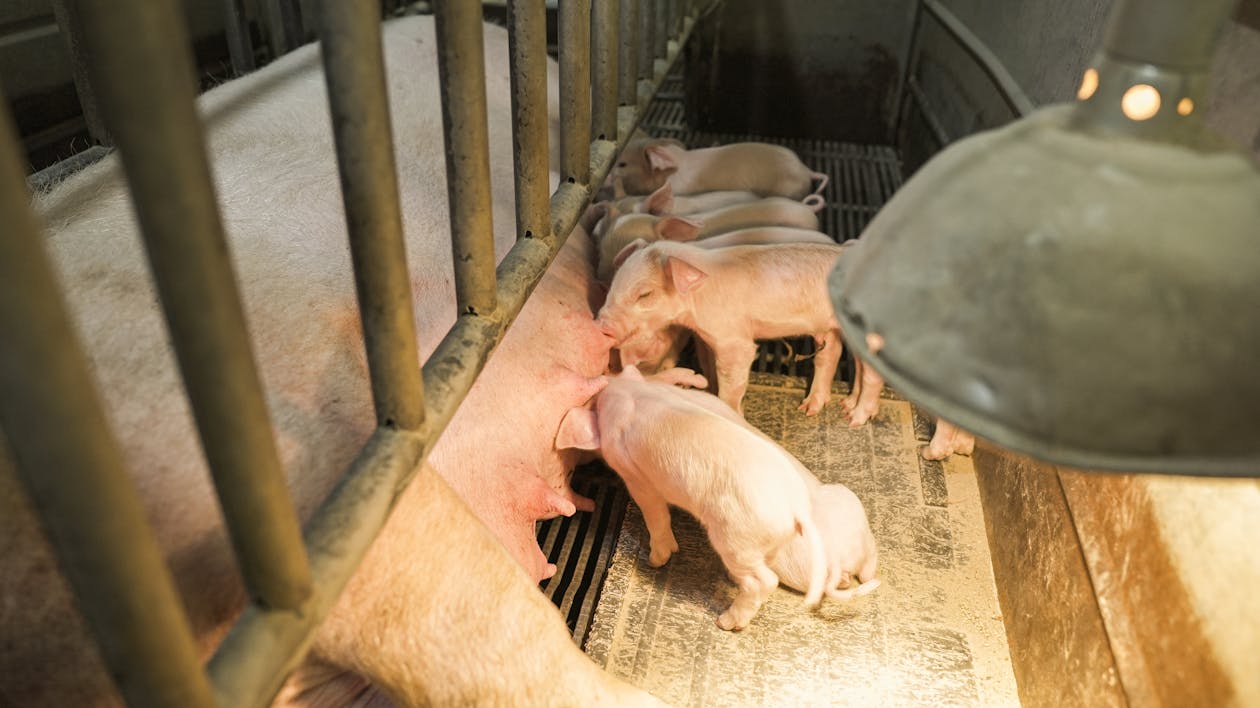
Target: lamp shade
x,y
1086,298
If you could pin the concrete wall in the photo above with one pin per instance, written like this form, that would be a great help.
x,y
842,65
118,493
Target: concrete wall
x,y
1047,44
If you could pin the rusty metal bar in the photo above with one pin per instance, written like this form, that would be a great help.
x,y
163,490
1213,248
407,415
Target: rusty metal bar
x,y
628,54
72,468
527,47
647,38
354,68
662,28
240,46
575,90
604,69
143,73
462,75
70,24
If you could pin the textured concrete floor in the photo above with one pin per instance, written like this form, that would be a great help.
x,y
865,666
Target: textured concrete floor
x,y
930,635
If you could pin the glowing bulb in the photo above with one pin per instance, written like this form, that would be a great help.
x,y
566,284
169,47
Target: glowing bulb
x,y
1089,84
1186,106
1140,102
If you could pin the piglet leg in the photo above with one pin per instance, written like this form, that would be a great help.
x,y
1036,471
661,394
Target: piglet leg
x,y
733,359
867,386
948,439
661,541
755,580
825,363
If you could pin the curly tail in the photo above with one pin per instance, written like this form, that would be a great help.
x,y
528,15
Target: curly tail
x,y
818,559
814,202
822,181
850,593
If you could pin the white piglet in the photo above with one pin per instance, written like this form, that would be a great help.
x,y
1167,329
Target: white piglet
x,y
769,170
731,297
741,486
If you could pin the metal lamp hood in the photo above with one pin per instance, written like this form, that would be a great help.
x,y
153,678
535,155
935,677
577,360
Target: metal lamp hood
x,y
1082,285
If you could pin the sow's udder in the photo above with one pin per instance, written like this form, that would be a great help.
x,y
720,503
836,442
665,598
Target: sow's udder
x,y
498,452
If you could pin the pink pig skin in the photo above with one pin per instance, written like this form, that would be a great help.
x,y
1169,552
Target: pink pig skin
x,y
948,440
440,612
763,213
600,216
769,170
846,535
738,484
730,297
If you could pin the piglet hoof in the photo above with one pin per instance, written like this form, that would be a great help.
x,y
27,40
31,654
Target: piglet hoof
x,y
661,554
730,622
812,406
860,415
934,452
849,402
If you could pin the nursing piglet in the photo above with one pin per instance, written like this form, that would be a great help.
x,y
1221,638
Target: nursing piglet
x,y
729,298
739,485
598,217
769,170
848,544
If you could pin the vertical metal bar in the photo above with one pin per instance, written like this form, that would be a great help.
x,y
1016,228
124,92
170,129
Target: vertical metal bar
x,y
143,72
71,26
604,69
647,38
73,471
661,28
240,47
628,56
575,91
284,25
527,47
675,17
354,68
462,77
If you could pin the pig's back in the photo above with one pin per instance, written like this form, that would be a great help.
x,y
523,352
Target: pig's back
x,y
772,211
768,170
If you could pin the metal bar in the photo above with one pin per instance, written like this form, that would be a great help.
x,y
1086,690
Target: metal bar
x,y
604,69
908,70
250,665
575,90
73,471
144,74
929,118
527,48
628,53
1006,85
647,38
71,25
240,46
354,67
661,29
284,25
462,75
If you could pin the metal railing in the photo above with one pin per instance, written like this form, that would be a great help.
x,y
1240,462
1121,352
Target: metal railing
x,y
1004,84
142,77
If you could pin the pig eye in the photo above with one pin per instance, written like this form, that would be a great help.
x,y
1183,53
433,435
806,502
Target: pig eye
x,y
645,295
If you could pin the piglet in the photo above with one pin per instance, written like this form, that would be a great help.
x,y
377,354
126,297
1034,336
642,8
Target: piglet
x,y
663,202
762,213
769,170
730,297
739,485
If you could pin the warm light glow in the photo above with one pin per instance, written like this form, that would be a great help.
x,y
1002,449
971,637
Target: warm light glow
x,y
1089,84
1140,102
1185,107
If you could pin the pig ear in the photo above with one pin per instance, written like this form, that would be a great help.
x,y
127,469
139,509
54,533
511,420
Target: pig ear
x,y
677,228
685,276
628,251
578,430
660,202
659,159
592,216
